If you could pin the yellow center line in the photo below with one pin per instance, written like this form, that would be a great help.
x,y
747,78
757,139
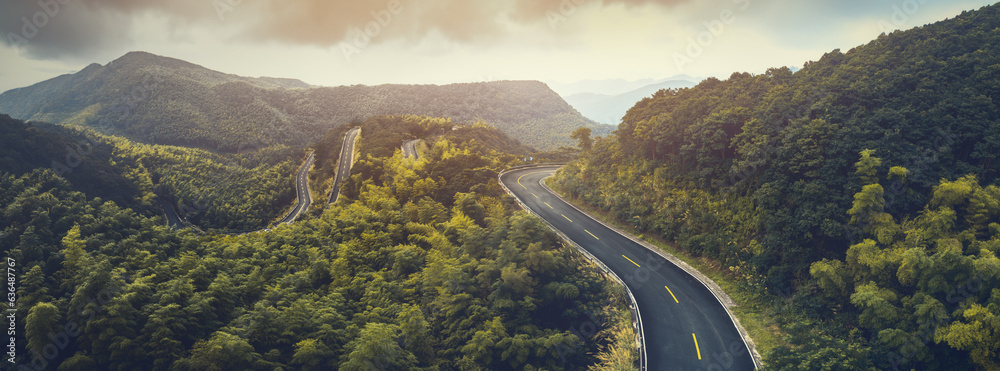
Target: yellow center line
x,y
696,348
592,235
636,264
564,216
533,194
547,204
672,294
524,175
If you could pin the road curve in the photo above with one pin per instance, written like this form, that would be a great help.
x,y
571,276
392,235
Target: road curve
x,y
344,164
684,326
173,220
303,197
410,149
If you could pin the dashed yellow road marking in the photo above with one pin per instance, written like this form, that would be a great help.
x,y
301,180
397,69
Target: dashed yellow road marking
x,y
567,218
592,235
547,204
696,348
672,294
524,175
633,262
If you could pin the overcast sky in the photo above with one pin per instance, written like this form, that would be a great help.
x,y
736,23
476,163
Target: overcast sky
x,y
370,42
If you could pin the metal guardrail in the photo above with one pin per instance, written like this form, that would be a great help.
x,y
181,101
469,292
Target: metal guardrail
x,y
633,306
711,286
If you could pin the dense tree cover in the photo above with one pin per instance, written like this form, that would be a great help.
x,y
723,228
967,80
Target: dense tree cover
x,y
923,288
79,157
486,139
757,172
225,192
401,276
162,100
444,169
211,191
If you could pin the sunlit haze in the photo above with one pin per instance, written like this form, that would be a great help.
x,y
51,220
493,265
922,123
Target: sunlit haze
x,y
447,41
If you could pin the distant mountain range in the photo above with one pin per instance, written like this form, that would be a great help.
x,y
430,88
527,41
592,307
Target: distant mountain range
x,y
609,108
611,86
162,100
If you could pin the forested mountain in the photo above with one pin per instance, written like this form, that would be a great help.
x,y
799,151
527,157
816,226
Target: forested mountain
x,y
161,100
424,265
210,190
862,187
609,108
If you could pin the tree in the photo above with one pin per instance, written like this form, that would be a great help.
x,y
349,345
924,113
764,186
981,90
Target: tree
x,y
582,136
312,354
377,347
40,323
222,352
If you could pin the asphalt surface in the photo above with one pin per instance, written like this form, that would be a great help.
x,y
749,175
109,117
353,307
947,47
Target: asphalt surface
x,y
173,220
345,163
684,326
303,198
410,149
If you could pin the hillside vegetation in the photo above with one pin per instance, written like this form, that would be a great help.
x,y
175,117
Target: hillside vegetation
x,y
399,275
859,189
161,100
212,191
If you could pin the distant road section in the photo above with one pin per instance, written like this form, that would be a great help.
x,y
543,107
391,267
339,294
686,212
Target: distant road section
x,y
302,201
173,220
410,149
303,197
345,163
684,325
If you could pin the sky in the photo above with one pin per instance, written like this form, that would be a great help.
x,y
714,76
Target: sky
x,y
372,42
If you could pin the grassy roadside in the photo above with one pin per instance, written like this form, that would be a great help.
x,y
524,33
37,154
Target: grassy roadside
x,y
755,314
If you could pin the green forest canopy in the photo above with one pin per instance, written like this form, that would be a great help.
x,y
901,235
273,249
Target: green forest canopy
x,y
399,275
767,175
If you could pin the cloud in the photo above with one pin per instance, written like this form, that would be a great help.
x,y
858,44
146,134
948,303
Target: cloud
x,y
49,29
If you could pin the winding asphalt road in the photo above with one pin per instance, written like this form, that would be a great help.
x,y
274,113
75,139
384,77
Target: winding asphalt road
x,y
303,198
345,163
410,149
685,327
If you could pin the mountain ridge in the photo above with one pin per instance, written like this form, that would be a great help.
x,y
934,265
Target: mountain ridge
x,y
163,100
610,108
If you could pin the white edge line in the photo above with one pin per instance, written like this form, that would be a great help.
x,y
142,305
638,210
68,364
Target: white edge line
x,y
739,328
588,255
